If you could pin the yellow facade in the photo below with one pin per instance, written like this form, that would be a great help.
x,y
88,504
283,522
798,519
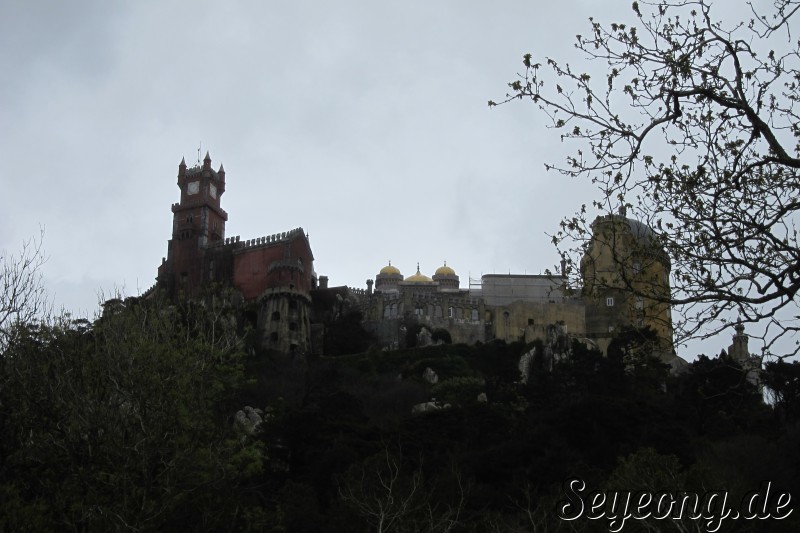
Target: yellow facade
x,y
625,274
529,321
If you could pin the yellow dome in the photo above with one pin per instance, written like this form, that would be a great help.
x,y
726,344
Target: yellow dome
x,y
445,271
390,270
418,277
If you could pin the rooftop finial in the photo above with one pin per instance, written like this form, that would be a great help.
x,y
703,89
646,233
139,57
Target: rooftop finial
x,y
182,168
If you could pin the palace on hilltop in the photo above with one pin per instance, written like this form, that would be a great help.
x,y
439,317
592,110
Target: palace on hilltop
x,y
624,275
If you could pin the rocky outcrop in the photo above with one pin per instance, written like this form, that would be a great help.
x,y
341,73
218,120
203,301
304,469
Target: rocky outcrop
x,y
249,420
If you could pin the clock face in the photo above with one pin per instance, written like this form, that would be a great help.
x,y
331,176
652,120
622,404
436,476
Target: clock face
x,y
212,190
194,187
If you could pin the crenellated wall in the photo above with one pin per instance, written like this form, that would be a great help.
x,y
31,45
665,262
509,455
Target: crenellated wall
x,y
265,240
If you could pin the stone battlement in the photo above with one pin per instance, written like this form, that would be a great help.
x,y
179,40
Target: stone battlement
x,y
358,292
199,203
261,241
197,169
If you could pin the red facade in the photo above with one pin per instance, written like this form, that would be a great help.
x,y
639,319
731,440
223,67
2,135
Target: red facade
x,y
285,262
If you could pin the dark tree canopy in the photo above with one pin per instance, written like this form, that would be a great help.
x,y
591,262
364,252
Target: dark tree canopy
x,y
694,129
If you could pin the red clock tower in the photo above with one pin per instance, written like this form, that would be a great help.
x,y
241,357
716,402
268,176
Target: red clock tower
x,y
198,223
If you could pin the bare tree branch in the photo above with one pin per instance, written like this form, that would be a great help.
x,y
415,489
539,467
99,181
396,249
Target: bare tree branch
x,y
23,298
695,129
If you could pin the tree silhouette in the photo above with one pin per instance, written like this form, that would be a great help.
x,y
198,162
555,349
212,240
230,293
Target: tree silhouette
x,y
694,129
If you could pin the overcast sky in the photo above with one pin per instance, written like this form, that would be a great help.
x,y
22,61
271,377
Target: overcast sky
x,y
365,123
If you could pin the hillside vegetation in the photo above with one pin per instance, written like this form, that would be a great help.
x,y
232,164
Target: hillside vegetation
x,y
130,423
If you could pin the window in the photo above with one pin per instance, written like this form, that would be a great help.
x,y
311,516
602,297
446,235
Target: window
x,y
530,321
273,336
292,326
276,316
450,312
610,302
